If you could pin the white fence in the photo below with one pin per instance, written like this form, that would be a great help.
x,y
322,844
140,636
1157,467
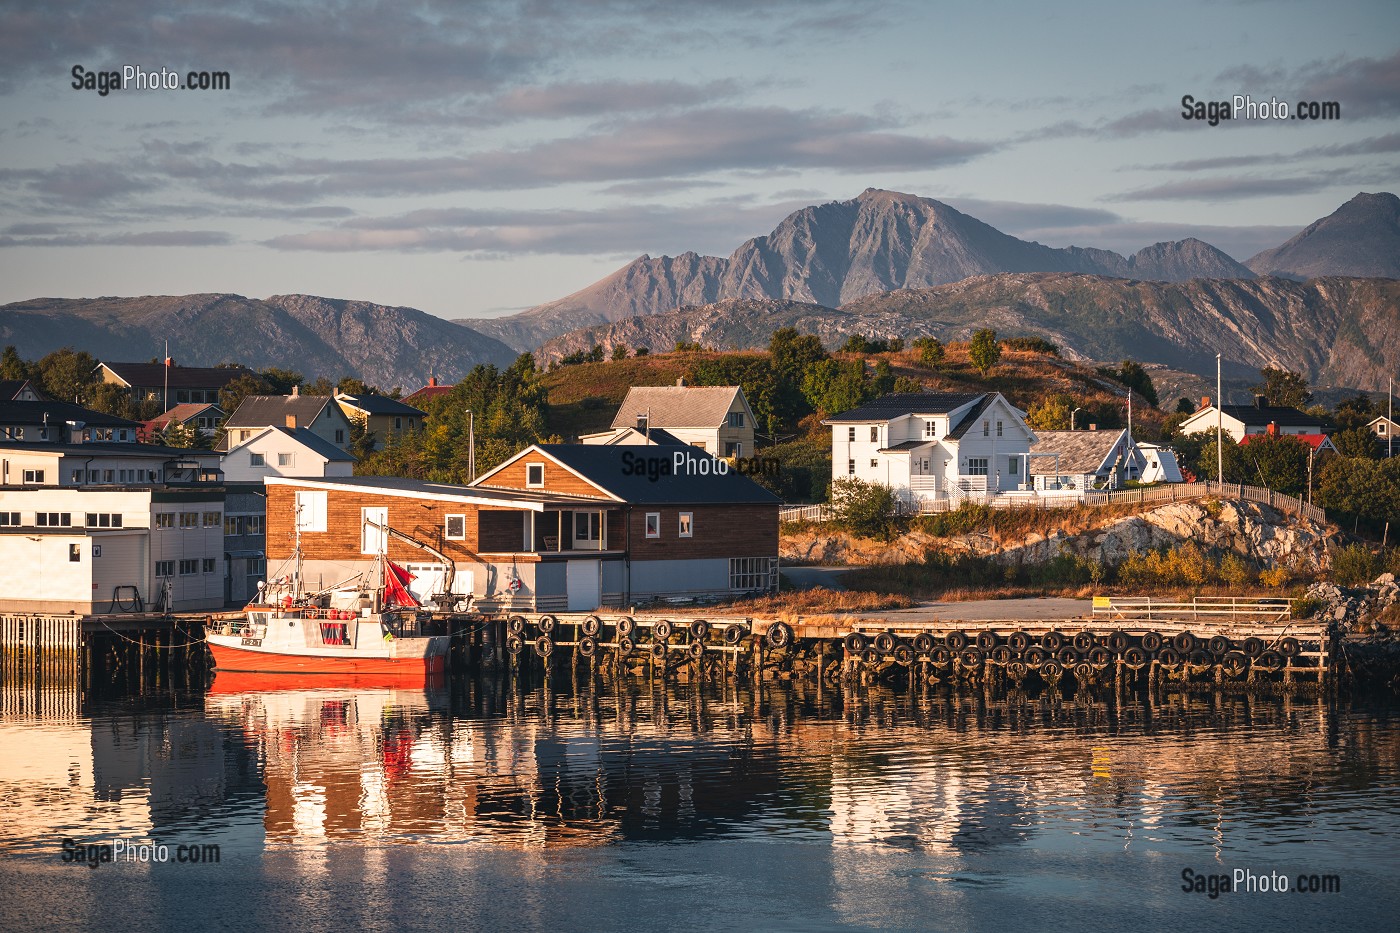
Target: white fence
x,y
1147,495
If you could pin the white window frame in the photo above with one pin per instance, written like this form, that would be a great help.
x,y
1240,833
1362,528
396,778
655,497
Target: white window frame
x,y
447,526
374,540
652,525
685,525
286,459
530,481
977,466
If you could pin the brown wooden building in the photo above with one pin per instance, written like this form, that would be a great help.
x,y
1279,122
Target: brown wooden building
x,y
556,527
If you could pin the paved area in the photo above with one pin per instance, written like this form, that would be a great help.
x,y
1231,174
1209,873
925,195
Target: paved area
x,y
807,577
1042,609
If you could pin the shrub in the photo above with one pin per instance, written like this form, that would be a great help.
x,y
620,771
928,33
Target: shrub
x,y
1355,565
863,508
1274,577
1235,572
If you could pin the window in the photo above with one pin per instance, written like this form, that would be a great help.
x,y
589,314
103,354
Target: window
x,y
930,429
534,474
257,566
340,435
986,429
653,524
75,553
1013,466
231,525
77,477
874,461
733,450
311,512
189,520
750,573
208,565
850,468
398,423
212,519
456,529
165,568
253,524
998,429
850,435
373,537
874,434
165,519
53,519
410,424
256,460
104,520
33,476
586,527
189,567
687,525
285,460
977,466
9,518
109,476
736,419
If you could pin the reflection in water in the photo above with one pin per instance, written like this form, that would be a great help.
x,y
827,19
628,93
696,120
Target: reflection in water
x,y
877,790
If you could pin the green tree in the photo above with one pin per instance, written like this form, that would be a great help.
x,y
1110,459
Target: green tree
x,y
1275,461
281,381
12,366
1132,375
619,352
896,344
1356,411
1365,491
1358,442
1283,387
1051,413
179,435
320,387
792,353
1237,468
833,386
116,400
596,354
1184,406
882,382
233,394
906,384
856,343
67,374
773,407
930,351
984,351
863,508
643,351
362,439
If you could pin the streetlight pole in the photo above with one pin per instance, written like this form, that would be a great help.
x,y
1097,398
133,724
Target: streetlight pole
x,y
471,445
1071,417
1390,416
1219,416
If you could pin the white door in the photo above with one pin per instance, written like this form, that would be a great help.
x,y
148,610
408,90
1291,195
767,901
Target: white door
x,y
372,535
584,579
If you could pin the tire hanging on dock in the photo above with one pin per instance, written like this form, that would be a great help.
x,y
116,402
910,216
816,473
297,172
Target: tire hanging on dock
x,y
626,626
779,635
1135,658
955,640
1117,642
699,629
855,642
1219,645
1252,647
546,624
923,643
1235,663
514,644
885,642
904,655
1083,642
1269,662
696,650
1052,641
987,640
658,650
516,625
1035,658
970,657
544,646
734,634
588,646
1184,642
1289,647
625,645
1019,641
1169,658
661,631
1151,642
592,626
1100,657
941,656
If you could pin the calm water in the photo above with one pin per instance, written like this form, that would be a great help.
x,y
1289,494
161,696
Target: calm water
x,y
488,805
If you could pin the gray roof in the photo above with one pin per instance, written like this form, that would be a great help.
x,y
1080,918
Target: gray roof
x,y
379,405
155,375
968,420
113,449
256,411
626,472
22,412
310,440
658,436
676,406
906,403
1259,416
1080,451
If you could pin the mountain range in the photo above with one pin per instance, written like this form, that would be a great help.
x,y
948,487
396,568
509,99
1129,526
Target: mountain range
x,y
830,254
881,264
385,346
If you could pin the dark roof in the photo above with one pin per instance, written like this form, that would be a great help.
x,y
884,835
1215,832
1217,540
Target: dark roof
x,y
262,410
962,427
906,403
658,436
9,388
906,445
676,406
12,412
153,375
380,405
1262,416
113,449
625,471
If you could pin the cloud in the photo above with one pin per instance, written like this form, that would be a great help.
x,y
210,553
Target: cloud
x,y
1365,87
1011,216
716,226
79,183
1230,188
597,98
151,238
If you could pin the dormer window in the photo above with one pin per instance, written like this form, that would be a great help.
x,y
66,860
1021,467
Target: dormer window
x,y
930,428
534,475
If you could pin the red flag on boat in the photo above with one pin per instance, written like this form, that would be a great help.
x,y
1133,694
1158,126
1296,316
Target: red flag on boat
x,y
396,594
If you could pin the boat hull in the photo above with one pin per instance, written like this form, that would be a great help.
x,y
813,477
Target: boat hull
x,y
250,660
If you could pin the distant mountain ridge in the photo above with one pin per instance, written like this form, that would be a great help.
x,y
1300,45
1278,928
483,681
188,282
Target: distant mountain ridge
x,y
1337,331
833,253
385,346
1362,237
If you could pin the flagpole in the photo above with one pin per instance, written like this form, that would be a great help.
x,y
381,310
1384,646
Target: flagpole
x,y
1219,406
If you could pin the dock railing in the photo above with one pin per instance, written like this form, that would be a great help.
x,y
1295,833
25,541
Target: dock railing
x,y
1218,609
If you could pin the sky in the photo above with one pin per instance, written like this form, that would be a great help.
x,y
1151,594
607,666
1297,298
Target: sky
x,y
474,159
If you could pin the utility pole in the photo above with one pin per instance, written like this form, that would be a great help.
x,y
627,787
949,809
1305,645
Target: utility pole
x,y
1130,414
1219,406
1390,416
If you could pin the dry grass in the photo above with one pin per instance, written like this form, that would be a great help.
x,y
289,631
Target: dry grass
x,y
815,601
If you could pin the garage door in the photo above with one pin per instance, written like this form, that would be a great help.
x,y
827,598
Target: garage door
x,y
584,579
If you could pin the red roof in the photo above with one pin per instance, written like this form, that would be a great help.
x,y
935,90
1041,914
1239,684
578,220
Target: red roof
x,y
426,393
1315,441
